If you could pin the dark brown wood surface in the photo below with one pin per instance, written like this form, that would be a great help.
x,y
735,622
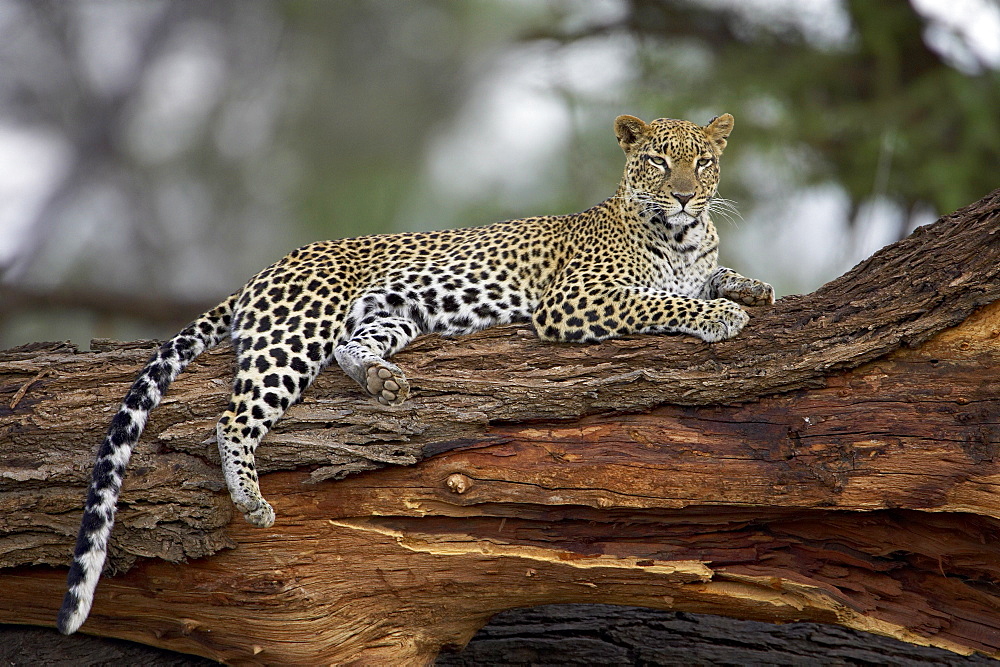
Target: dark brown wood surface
x,y
837,462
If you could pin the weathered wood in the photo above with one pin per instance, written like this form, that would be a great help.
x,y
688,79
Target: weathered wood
x,y
834,463
559,635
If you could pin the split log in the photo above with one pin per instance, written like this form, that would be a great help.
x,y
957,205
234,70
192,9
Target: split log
x,y
837,462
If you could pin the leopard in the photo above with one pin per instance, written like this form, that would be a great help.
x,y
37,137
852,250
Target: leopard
x,y
643,261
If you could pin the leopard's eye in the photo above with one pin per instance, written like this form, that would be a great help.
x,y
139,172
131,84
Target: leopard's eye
x,y
704,162
657,161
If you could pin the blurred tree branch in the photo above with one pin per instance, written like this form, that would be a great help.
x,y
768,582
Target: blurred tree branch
x,y
91,121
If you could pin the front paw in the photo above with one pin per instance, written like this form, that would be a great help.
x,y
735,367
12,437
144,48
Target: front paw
x,y
749,292
723,319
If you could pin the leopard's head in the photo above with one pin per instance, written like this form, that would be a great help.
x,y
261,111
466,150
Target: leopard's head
x,y
671,166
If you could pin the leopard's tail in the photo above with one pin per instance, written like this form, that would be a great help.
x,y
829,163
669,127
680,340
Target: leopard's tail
x,y
102,498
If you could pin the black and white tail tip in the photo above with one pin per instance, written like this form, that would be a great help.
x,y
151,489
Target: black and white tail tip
x,y
112,458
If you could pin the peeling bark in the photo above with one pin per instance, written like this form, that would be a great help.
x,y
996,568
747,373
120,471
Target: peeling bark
x,y
834,463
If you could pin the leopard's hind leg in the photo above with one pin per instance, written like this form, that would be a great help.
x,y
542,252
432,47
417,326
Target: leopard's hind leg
x,y
364,355
270,376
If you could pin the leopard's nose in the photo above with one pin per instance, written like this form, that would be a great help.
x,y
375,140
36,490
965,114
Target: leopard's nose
x,y
683,197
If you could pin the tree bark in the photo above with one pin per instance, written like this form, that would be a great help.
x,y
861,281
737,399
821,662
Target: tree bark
x,y
836,462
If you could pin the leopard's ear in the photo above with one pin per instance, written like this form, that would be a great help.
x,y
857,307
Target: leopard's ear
x,y
630,131
718,130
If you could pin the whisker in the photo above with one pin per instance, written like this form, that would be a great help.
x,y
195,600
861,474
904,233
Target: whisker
x,y
725,208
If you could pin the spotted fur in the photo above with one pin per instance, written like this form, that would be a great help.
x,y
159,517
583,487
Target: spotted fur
x,y
642,261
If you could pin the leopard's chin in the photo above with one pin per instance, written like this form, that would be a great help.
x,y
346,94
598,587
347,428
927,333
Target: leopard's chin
x,y
682,219
677,218
668,217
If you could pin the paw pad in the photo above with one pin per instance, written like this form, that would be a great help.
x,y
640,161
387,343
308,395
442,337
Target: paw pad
x,y
388,387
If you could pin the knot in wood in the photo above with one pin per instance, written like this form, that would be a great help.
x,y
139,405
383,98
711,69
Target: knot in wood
x,y
458,483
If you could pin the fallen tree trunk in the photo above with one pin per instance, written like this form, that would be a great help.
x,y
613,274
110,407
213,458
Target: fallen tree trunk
x,y
834,463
